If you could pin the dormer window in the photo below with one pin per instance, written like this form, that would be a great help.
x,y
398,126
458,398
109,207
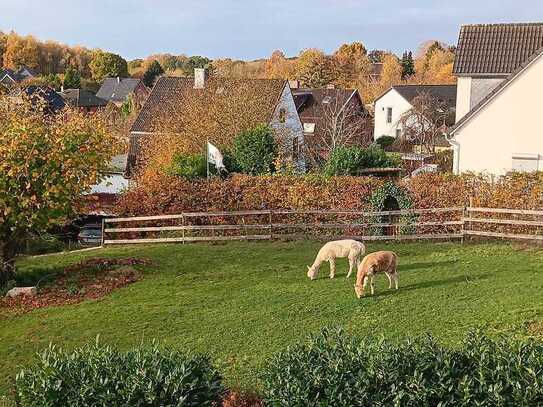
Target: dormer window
x,y
282,116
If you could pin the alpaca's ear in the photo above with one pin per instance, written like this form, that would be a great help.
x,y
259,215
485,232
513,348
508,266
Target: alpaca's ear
x,y
308,268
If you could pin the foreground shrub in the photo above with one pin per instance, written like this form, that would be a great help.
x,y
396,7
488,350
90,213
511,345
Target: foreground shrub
x,y
335,369
350,160
102,376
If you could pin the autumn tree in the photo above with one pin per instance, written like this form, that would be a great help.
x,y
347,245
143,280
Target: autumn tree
x,y
434,64
194,62
425,122
72,79
106,64
20,51
278,66
3,44
46,164
315,69
154,70
353,65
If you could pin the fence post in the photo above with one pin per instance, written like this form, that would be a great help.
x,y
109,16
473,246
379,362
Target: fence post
x,y
183,225
103,232
271,224
463,224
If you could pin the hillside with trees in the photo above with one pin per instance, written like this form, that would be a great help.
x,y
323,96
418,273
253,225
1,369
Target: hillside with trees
x,y
350,66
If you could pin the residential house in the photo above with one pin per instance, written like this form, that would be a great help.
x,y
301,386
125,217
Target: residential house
x,y
329,113
44,97
10,79
121,90
217,109
500,70
83,100
396,102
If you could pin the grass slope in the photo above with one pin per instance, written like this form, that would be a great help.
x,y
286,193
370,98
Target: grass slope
x,y
243,301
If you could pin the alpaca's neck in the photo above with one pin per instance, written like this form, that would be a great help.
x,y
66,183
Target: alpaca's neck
x,y
317,263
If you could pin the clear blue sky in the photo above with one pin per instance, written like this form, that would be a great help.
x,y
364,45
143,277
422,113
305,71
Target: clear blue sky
x,y
250,29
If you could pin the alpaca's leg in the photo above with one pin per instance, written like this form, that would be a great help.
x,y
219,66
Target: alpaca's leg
x,y
390,278
332,268
365,284
396,279
352,263
371,285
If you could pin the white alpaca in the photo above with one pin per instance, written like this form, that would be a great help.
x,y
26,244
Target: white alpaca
x,y
351,249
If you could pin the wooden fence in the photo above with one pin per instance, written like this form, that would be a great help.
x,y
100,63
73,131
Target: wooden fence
x,y
413,224
515,224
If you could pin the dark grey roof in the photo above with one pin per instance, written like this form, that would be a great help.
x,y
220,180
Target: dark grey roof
x,y
12,74
117,89
445,93
44,93
496,49
495,91
82,98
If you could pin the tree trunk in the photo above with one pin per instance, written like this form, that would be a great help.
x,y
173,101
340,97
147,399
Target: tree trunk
x,y
7,262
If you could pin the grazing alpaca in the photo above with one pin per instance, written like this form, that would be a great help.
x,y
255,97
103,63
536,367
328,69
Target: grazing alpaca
x,y
378,262
351,249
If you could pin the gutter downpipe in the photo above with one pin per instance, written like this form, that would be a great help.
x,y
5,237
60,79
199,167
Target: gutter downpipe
x,y
456,152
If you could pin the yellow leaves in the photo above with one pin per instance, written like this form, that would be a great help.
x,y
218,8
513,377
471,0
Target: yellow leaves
x,y
47,162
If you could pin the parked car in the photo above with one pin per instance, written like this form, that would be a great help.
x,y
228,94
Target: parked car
x,y
90,235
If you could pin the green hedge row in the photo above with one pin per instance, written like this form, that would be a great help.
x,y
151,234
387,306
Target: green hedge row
x,y
102,376
335,369
330,368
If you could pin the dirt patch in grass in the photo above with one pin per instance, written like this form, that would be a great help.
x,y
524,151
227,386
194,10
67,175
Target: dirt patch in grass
x,y
236,398
535,328
90,279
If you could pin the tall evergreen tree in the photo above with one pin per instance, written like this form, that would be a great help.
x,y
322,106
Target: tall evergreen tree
x,y
153,71
408,65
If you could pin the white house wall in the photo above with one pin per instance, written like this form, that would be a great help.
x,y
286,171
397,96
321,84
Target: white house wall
x,y
291,128
399,106
463,97
508,125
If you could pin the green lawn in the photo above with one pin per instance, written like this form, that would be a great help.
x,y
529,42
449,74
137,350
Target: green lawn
x,y
243,301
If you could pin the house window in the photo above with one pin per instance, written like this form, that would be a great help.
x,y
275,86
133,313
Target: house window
x,y
525,162
309,127
295,149
389,115
282,116
398,133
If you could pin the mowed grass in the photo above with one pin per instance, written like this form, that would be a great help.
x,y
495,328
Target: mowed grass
x,y
241,302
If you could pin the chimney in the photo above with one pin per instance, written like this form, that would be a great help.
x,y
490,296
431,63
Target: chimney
x,y
330,86
294,84
200,78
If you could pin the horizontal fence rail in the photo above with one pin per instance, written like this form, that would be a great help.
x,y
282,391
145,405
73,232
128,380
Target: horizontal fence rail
x,y
511,224
411,224
408,224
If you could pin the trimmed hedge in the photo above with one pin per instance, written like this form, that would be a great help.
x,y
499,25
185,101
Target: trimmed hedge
x,y
103,376
335,369
163,194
